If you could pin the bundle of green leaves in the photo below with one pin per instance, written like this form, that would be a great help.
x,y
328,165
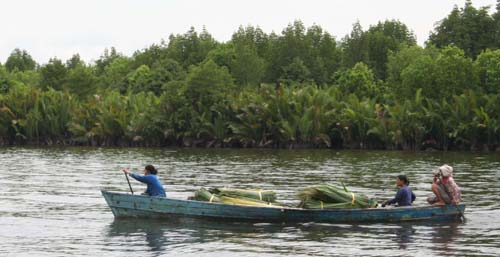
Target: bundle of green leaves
x,y
331,197
236,196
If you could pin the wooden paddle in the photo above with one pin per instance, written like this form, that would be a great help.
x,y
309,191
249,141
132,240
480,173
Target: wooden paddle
x,y
128,181
462,217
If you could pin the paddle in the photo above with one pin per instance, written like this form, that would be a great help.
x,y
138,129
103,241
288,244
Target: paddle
x,y
462,217
128,181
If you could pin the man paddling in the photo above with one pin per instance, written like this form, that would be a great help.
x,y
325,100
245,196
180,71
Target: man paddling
x,y
154,186
444,187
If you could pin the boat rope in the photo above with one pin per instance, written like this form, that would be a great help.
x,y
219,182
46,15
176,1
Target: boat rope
x,y
353,199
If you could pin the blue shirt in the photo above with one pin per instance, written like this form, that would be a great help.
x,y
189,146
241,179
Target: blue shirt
x,y
404,197
155,188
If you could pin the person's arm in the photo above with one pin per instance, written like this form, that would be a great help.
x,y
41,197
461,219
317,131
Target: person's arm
x,y
413,197
396,199
143,179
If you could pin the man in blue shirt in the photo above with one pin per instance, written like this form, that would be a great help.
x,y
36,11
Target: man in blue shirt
x,y
404,196
154,188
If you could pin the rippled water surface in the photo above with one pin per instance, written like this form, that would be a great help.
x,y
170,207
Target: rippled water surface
x,y
50,203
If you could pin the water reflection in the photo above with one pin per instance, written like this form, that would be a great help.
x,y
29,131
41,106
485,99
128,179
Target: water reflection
x,y
164,235
404,235
443,236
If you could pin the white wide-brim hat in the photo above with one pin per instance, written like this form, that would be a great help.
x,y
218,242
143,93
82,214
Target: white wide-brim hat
x,y
445,171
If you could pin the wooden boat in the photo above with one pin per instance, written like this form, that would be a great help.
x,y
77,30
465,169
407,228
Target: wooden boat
x,y
128,205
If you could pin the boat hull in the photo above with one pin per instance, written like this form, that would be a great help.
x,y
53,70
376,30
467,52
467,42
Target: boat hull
x,y
127,205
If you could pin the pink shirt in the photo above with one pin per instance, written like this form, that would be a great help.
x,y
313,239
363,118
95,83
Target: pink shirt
x,y
452,189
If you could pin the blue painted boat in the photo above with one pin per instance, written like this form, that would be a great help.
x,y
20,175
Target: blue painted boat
x,y
128,205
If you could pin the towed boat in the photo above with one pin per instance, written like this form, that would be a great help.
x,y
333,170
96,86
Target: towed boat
x,y
139,206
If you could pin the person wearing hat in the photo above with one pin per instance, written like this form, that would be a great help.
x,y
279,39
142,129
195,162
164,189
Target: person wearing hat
x,y
444,187
154,186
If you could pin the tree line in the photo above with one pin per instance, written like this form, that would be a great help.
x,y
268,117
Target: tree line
x,y
373,89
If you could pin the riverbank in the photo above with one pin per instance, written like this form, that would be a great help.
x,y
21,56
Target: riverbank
x,y
204,145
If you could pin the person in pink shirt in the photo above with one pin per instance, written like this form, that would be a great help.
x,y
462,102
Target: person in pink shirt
x,y
444,187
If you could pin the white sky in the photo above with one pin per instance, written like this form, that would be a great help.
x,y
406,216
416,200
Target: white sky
x,y
61,28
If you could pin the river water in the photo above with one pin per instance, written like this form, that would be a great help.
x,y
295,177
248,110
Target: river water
x,y
50,203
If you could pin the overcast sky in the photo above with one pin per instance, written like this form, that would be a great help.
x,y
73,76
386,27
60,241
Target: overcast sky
x,y
63,27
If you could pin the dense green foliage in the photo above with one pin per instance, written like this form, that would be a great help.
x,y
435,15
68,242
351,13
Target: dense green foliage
x,y
375,88
471,29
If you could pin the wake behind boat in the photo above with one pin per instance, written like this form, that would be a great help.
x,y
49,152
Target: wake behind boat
x,y
138,206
